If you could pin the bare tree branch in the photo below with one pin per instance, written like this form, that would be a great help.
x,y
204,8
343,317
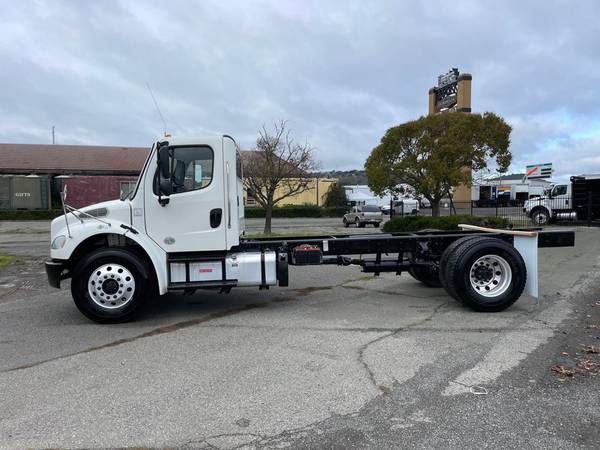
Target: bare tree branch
x,y
277,168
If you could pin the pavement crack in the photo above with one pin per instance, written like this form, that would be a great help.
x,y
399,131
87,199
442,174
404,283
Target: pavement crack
x,y
361,351
154,332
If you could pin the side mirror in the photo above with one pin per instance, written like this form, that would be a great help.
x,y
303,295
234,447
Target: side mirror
x,y
163,178
165,187
164,162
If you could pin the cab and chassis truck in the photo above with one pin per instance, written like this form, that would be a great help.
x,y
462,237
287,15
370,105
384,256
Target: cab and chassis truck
x,y
577,200
182,229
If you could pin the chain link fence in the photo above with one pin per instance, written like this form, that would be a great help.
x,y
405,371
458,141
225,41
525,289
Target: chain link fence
x,y
582,209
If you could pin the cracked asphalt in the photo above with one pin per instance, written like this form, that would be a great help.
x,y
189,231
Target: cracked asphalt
x,y
338,360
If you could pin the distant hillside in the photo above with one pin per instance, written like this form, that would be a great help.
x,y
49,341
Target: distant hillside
x,y
345,176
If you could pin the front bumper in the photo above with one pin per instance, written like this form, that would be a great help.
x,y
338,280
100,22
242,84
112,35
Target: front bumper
x,y
54,270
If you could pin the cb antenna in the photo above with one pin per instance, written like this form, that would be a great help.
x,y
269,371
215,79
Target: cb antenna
x,y
157,108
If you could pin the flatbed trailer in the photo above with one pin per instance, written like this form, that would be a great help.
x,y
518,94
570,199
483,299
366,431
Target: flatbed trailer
x,y
182,230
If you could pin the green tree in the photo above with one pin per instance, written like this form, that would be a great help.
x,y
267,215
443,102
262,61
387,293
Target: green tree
x,y
436,153
336,196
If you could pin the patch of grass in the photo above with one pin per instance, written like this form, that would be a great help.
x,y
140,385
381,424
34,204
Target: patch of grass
x,y
5,260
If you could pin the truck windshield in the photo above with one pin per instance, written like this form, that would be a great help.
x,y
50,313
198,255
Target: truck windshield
x,y
129,195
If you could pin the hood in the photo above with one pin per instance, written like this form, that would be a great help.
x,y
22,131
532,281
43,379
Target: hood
x,y
111,210
535,200
119,210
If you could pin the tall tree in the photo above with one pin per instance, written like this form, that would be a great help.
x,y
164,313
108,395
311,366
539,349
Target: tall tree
x,y
437,153
277,168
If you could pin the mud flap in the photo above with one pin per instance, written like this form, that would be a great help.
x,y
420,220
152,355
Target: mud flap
x,y
527,246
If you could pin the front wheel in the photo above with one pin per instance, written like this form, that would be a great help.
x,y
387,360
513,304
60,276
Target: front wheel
x,y
346,224
540,217
111,285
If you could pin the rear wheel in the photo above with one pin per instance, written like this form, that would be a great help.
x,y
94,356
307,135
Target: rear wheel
x,y
485,274
111,285
444,264
429,276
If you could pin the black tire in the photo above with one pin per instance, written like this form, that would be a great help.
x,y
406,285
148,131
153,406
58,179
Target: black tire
x,y
357,222
459,271
376,224
540,216
444,264
144,285
429,276
426,275
346,224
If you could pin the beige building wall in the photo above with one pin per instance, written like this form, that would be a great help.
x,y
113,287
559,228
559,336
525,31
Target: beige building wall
x,y
314,195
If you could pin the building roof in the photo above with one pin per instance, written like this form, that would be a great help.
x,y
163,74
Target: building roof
x,y
71,159
512,176
254,160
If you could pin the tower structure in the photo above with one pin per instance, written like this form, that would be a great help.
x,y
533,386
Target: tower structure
x,y
453,95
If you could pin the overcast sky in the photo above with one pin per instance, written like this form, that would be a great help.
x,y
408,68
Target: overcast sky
x,y
340,72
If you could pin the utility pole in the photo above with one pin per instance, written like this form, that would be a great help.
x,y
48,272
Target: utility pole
x,y
52,134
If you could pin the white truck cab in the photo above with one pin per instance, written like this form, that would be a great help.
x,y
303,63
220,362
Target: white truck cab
x,y
178,228
554,205
577,200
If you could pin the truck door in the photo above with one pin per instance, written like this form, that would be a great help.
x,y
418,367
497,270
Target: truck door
x,y
193,219
560,197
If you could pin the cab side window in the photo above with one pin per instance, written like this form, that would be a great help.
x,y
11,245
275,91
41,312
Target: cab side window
x,y
561,189
191,169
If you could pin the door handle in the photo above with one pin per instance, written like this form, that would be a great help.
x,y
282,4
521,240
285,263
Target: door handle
x,y
215,217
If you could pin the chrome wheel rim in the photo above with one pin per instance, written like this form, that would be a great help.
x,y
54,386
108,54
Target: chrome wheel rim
x,y
490,276
539,218
111,286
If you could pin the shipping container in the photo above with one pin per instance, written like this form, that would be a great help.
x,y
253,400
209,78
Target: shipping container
x,y
24,192
83,190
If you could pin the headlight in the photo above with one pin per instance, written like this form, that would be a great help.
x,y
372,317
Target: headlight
x,y
59,242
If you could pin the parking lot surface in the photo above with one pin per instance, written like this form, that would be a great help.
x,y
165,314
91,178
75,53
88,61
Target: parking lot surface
x,y
337,360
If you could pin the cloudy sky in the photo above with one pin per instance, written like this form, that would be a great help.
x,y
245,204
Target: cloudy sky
x,y
340,72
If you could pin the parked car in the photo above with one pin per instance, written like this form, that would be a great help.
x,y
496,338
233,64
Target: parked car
x,y
362,215
402,207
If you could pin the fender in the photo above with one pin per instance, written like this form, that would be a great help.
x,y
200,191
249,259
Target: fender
x,y
82,232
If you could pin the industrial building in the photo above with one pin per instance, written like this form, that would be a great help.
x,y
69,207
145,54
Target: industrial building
x,y
512,189
32,176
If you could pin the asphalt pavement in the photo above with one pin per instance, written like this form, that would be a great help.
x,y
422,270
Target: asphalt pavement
x,y
337,360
